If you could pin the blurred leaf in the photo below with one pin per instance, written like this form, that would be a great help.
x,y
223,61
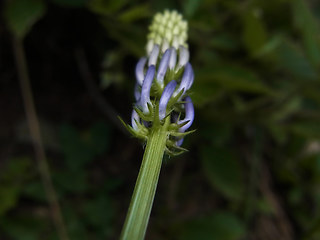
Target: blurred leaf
x,y
98,213
135,13
190,7
233,78
9,196
75,225
254,33
99,138
73,181
24,227
80,150
291,106
204,92
292,59
12,176
219,226
224,41
265,206
104,7
213,82
222,132
278,133
71,3
21,15
109,78
77,153
35,191
224,172
306,129
309,28
120,32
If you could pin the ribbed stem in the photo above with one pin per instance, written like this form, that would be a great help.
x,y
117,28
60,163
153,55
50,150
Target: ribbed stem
x,y
141,203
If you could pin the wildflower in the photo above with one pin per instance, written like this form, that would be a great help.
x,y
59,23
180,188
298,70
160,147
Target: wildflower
x,y
162,113
163,80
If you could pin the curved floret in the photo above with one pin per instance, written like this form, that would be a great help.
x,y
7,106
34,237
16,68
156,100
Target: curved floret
x,y
187,79
140,70
163,66
165,97
145,90
163,80
189,114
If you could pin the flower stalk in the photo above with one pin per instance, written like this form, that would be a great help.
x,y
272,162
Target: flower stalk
x,y
141,203
162,113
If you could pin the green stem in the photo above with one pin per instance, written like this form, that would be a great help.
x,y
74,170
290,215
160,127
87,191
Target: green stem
x,y
141,203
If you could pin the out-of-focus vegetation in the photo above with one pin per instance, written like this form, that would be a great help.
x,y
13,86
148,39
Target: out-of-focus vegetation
x,y
253,169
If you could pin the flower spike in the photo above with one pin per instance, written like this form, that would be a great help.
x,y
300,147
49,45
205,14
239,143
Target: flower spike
x,y
163,78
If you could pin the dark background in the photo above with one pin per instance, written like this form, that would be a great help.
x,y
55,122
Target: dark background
x,y
253,166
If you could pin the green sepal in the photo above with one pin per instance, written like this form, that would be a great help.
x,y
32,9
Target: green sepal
x,y
174,150
142,134
181,134
174,100
146,117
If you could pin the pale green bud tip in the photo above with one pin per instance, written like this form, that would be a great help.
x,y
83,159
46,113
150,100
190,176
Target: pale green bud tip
x,y
168,29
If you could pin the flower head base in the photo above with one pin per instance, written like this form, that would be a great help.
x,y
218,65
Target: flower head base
x,y
166,30
164,78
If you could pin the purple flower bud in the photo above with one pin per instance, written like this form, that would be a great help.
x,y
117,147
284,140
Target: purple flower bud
x,y
191,76
165,97
183,56
146,86
153,55
137,92
134,117
189,114
140,70
173,58
187,79
163,66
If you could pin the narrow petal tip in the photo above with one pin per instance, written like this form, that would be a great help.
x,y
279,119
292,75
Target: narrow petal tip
x,y
140,70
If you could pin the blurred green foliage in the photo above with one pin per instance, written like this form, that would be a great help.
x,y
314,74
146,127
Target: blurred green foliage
x,y
253,170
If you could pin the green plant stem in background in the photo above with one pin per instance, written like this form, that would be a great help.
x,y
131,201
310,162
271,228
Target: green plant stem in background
x,y
141,203
34,127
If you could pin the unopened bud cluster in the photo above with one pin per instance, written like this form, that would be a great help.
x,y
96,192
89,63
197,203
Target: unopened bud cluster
x,y
163,79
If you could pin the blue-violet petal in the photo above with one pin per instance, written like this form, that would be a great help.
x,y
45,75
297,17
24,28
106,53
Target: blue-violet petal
x,y
165,97
189,114
146,86
187,79
163,66
140,70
